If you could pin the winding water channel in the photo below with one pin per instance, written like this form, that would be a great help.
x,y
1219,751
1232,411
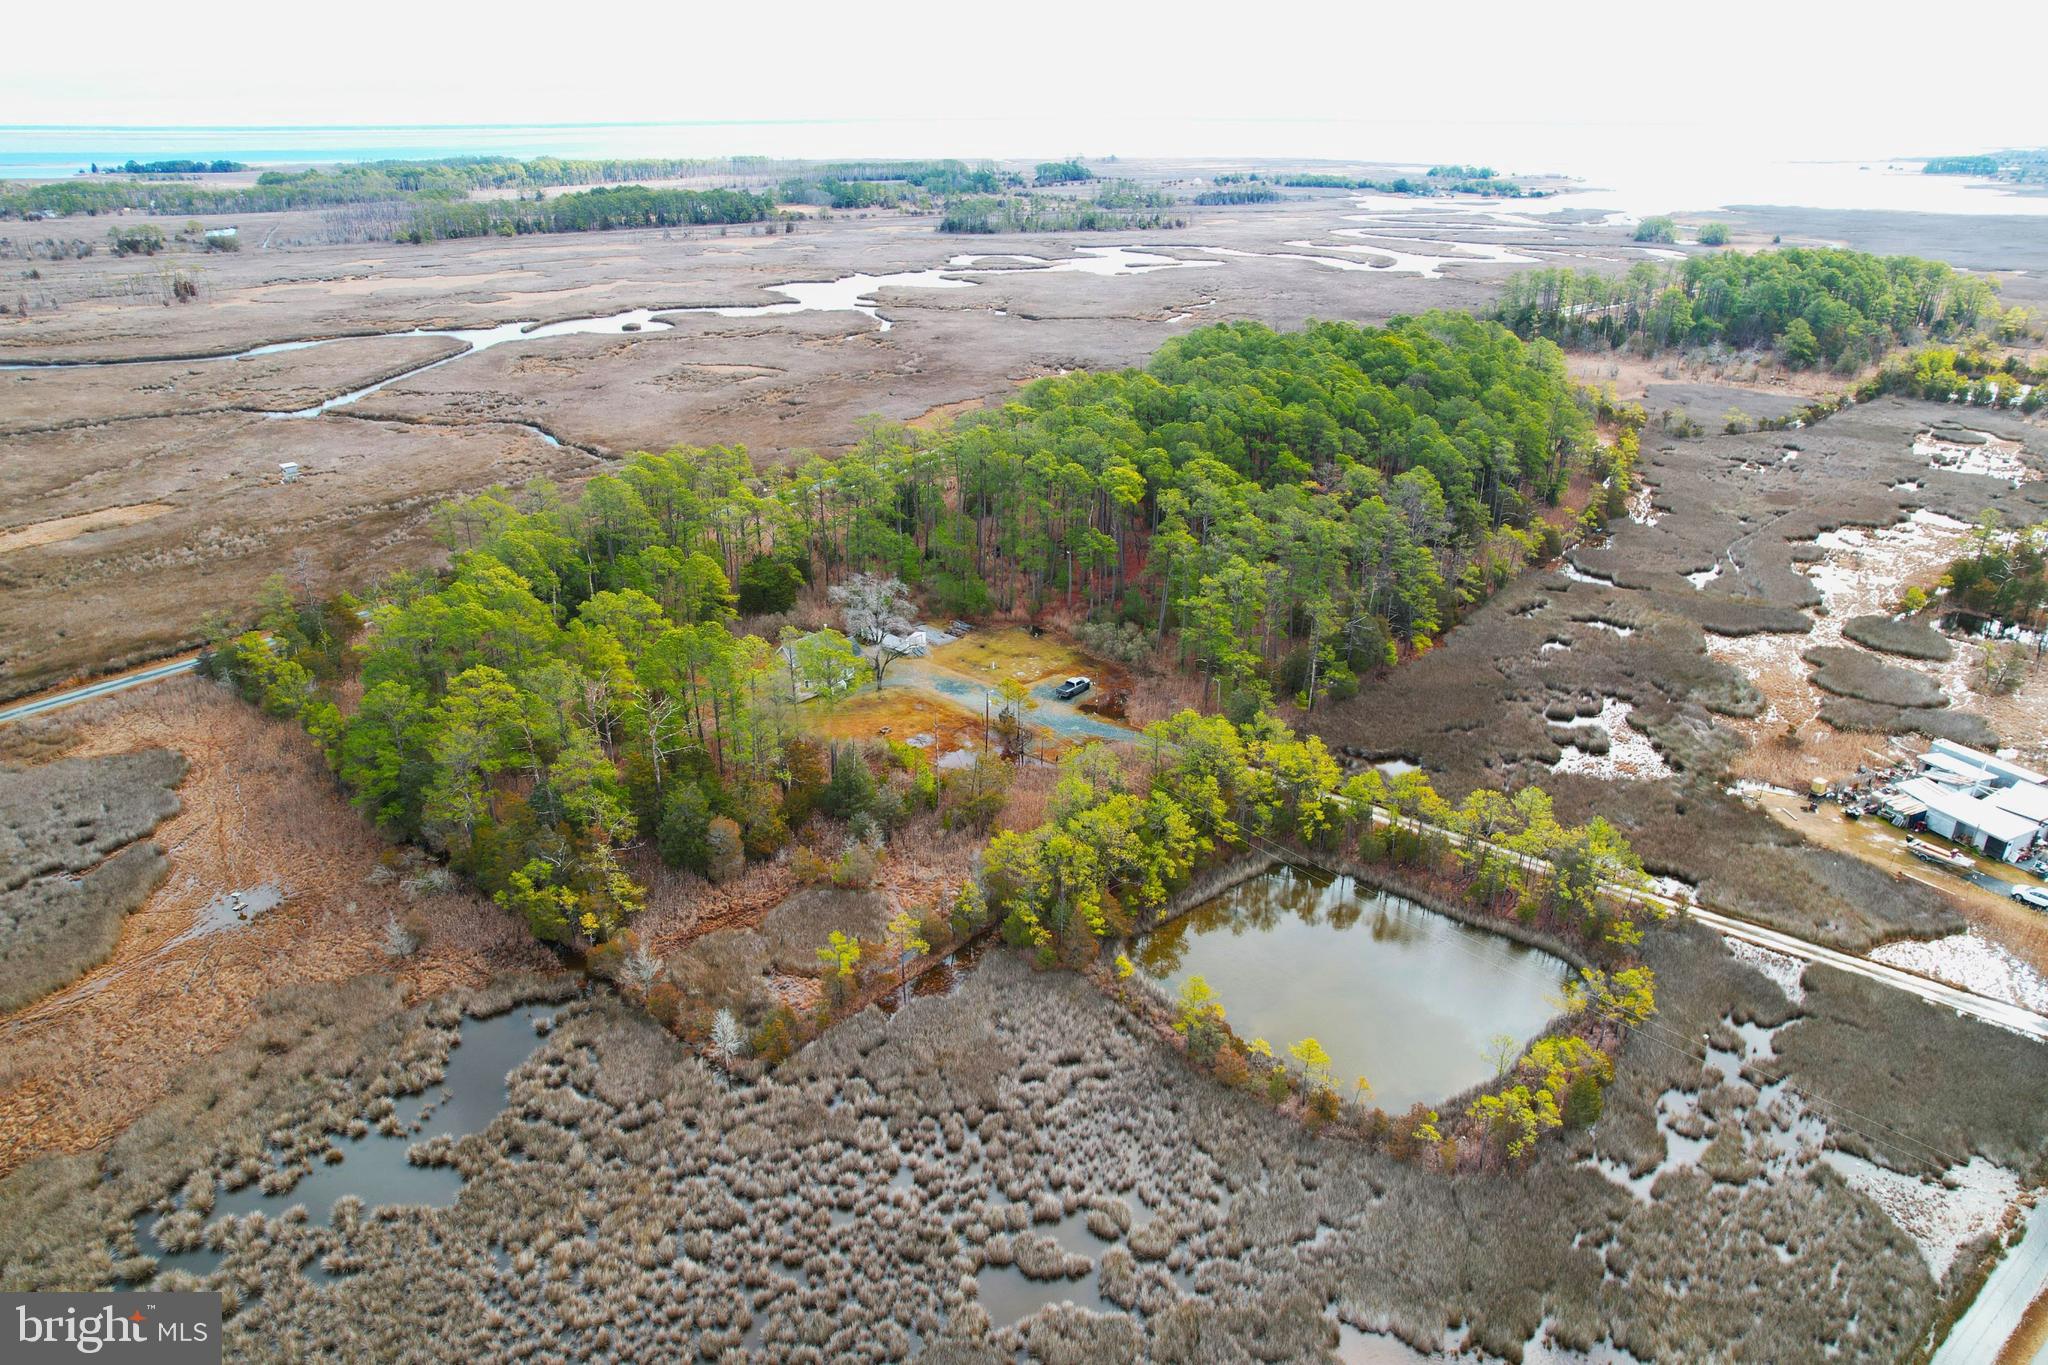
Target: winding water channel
x,y
851,293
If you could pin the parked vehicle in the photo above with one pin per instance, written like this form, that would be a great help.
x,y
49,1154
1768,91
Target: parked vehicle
x,y
2031,895
1072,688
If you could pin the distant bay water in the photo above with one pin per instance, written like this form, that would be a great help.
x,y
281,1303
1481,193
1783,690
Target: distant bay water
x,y
1633,169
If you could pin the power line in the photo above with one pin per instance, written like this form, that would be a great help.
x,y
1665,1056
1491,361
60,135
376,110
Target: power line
x,y
1673,1040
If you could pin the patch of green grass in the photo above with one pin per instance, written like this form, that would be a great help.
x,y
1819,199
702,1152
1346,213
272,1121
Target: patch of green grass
x,y
1012,652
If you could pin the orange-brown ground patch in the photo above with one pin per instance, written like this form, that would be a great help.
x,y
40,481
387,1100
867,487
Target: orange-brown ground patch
x,y
900,712
2031,1339
989,656
67,528
942,414
1630,376
77,1066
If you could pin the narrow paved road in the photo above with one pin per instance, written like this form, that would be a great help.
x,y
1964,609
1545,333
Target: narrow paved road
x,y
52,701
2014,1017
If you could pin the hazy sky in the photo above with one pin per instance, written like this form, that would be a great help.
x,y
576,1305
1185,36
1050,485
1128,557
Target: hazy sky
x,y
1096,78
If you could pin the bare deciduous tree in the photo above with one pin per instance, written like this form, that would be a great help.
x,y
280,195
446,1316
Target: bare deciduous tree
x,y
877,614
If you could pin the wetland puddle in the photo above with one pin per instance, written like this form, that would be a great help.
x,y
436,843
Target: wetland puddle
x,y
224,912
1399,994
375,1168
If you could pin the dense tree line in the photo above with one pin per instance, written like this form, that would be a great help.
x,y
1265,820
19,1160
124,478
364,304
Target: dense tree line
x,y
832,192
598,210
171,166
1115,206
1062,172
450,178
1985,166
1408,184
1292,507
1240,194
1289,507
863,184
2021,167
1814,306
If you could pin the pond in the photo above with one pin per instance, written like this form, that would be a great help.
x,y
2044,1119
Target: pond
x,y
1399,994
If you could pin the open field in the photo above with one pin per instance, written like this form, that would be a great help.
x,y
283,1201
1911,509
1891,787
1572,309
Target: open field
x,y
1011,654
902,712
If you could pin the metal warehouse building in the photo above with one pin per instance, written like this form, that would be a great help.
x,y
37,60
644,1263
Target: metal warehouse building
x,y
1968,819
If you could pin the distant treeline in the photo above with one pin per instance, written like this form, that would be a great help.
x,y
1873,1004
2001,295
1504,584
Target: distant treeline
x,y
2028,167
1239,194
1117,205
1960,165
882,184
174,166
1062,172
1844,308
598,210
359,183
1439,180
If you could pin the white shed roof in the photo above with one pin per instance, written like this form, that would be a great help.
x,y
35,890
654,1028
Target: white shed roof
x,y
1938,763
2028,802
1979,814
1990,763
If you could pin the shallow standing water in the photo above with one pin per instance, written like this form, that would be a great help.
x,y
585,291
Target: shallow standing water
x,y
1396,993
376,1168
